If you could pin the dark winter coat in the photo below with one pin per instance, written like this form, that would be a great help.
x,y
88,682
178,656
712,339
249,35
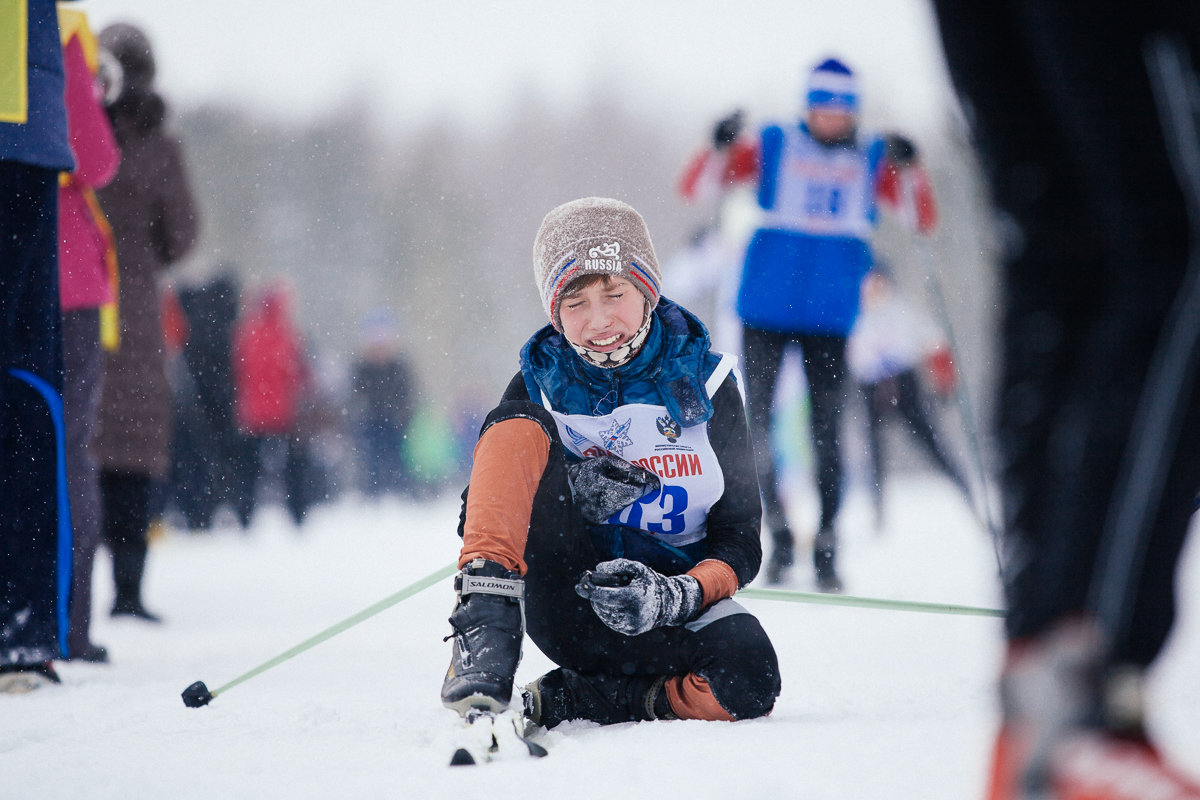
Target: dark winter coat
x,y
153,216
383,392
211,311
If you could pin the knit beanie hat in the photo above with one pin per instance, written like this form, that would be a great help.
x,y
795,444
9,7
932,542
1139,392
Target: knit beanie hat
x,y
832,86
593,235
131,47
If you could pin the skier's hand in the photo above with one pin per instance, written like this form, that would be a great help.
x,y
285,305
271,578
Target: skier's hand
x,y
727,130
901,150
603,485
942,374
631,598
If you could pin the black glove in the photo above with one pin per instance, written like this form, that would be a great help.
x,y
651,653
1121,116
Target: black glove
x,y
900,150
727,130
631,598
603,485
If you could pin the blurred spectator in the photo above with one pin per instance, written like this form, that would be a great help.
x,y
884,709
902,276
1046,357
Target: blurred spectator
x,y
34,524
87,272
324,428
205,444
153,216
466,423
429,450
270,378
383,400
891,341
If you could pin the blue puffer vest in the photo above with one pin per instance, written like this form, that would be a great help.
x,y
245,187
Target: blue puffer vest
x,y
670,370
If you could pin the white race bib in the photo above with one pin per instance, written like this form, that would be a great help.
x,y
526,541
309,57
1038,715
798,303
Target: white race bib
x,y
682,458
822,191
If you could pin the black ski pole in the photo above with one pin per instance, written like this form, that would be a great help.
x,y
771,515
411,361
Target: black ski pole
x,y
970,428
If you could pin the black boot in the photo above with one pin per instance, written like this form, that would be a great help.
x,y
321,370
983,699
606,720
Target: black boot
x,y
489,624
86,651
782,554
129,565
125,606
564,694
824,561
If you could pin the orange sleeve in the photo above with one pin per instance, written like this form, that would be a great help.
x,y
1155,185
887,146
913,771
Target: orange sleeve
x,y
510,458
717,580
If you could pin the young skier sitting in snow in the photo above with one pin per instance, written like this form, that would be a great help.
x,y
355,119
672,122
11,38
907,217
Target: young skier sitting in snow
x,y
613,507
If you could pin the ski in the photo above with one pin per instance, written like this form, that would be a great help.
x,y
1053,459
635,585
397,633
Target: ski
x,y
493,736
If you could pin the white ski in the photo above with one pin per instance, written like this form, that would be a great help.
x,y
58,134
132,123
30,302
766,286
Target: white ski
x,y
493,736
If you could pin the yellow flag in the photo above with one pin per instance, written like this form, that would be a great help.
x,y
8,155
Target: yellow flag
x,y
71,23
110,319
14,43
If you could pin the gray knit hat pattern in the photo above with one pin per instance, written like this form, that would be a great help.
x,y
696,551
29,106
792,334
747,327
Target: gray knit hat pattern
x,y
593,235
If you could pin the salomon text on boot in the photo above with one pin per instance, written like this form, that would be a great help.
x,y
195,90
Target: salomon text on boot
x,y
489,625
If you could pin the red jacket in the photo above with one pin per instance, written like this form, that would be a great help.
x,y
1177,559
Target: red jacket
x,y
269,372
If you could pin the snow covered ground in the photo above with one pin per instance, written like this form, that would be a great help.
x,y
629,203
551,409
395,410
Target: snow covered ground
x,y
875,704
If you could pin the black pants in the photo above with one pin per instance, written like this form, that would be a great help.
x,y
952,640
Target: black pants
x,y
1077,157
125,498
900,396
294,474
825,371
732,653
206,458
32,605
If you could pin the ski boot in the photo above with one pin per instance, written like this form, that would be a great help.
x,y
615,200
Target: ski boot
x,y
1074,730
824,552
782,554
564,694
21,678
489,625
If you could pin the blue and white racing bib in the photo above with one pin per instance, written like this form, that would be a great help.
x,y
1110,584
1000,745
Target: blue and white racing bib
x,y
822,191
683,459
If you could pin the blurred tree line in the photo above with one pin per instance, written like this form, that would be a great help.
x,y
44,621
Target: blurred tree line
x,y
437,221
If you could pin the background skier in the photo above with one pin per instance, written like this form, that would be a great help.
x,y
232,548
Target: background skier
x,y
891,343
818,180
